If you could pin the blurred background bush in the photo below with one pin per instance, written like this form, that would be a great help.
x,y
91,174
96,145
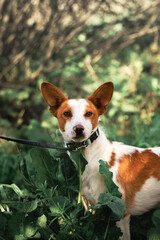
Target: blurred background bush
x,y
78,45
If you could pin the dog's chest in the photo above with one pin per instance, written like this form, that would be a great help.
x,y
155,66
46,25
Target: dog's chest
x,y
92,180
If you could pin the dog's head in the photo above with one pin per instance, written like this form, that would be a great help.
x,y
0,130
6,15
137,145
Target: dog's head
x,y
77,119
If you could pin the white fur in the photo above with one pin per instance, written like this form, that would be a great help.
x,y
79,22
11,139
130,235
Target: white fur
x,y
147,197
78,109
123,224
93,184
102,149
156,150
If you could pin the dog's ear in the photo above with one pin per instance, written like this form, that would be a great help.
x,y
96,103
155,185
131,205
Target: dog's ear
x,y
102,96
53,96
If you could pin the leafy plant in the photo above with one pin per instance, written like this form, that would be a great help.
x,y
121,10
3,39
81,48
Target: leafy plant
x,y
48,207
154,232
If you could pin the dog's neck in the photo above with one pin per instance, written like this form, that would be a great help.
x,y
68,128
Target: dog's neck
x,y
100,149
96,148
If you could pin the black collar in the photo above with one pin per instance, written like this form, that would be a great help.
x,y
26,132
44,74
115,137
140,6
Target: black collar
x,y
79,145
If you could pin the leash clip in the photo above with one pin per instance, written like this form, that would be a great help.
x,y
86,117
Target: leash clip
x,y
79,148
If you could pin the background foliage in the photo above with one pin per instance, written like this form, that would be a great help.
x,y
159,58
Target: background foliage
x,y
76,45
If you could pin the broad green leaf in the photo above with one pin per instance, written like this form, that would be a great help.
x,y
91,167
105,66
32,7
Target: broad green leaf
x,y
110,185
59,173
42,221
25,206
24,172
156,218
30,231
116,204
153,234
42,163
28,181
83,161
75,157
14,187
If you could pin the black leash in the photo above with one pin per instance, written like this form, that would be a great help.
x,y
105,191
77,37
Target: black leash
x,y
75,146
36,144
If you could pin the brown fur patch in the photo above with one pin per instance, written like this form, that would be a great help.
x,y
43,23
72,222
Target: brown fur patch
x,y
94,116
60,115
112,159
134,170
101,97
53,97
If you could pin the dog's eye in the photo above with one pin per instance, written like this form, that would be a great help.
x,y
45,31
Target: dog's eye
x,y
67,114
88,114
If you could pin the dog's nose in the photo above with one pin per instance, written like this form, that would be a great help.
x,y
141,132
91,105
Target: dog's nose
x,y
78,129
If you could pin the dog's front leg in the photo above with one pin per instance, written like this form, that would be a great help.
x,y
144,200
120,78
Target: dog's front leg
x,y
123,224
92,184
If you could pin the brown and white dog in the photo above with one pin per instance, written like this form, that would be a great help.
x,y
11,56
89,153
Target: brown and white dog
x,y
136,171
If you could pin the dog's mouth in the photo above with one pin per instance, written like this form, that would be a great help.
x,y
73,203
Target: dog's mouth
x,y
79,138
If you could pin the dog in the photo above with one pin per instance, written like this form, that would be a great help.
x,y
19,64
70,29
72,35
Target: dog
x,y
136,171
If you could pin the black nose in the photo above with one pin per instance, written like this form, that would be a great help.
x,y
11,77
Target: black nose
x,y
78,130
